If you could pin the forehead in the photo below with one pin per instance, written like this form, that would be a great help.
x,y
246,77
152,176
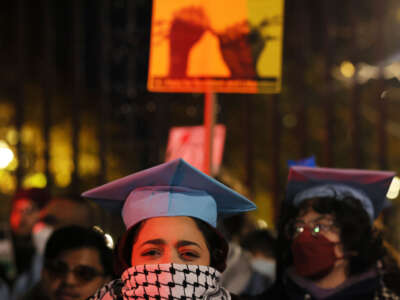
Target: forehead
x,y
310,214
81,256
179,227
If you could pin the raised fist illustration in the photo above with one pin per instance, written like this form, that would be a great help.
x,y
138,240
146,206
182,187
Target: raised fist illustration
x,y
241,46
187,27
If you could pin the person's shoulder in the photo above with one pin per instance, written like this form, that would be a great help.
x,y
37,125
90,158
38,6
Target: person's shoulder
x,y
249,297
236,297
109,291
275,291
35,293
388,269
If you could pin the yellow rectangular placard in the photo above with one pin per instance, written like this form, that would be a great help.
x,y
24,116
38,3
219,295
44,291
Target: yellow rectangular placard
x,y
211,45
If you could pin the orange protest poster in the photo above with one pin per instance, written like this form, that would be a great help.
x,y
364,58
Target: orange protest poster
x,y
188,143
226,47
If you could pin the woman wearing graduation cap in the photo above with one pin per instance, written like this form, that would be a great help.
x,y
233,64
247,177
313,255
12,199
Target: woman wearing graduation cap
x,y
328,248
171,249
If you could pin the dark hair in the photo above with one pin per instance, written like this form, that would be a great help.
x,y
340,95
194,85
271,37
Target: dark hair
x,y
360,240
76,237
216,244
233,226
260,240
37,195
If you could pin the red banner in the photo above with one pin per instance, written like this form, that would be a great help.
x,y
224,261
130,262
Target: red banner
x,y
188,143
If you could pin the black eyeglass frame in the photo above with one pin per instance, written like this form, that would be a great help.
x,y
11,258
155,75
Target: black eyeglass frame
x,y
82,273
296,227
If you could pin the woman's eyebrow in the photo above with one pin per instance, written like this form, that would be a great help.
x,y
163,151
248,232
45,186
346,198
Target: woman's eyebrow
x,y
299,221
186,243
154,242
324,217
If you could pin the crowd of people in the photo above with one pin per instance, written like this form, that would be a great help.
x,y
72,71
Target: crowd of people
x,y
188,236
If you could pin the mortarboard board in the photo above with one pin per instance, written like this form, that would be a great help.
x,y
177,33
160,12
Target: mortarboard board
x,y
174,188
370,187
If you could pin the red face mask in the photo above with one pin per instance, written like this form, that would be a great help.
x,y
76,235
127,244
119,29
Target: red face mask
x,y
313,256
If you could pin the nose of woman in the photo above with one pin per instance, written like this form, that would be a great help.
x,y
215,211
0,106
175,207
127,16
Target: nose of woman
x,y
170,256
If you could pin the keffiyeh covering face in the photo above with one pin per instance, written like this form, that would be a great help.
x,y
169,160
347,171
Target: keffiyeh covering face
x,y
172,281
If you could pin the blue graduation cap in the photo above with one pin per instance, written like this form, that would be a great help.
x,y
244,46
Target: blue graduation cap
x,y
370,187
174,188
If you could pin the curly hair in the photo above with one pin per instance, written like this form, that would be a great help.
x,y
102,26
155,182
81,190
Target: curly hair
x,y
360,240
216,244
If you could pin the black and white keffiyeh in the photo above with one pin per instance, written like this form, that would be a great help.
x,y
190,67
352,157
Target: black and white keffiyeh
x,y
169,282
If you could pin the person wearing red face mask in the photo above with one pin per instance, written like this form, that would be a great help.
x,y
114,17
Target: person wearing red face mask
x,y
328,247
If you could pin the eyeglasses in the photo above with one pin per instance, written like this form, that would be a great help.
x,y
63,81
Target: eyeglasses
x,y
321,225
82,273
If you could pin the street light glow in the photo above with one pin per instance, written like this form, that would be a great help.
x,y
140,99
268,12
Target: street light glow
x,y
347,69
109,240
366,72
262,224
6,155
394,188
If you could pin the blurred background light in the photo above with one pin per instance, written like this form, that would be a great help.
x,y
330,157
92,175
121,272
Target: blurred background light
x,y
289,120
394,188
392,71
6,155
109,240
366,72
37,180
262,224
12,136
7,182
347,69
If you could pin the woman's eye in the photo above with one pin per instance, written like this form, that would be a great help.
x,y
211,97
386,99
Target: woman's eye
x,y
324,227
189,255
151,252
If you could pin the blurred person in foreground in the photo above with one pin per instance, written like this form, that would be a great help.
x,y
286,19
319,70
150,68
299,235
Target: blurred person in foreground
x,y
172,248
20,262
60,212
77,261
327,246
261,244
239,276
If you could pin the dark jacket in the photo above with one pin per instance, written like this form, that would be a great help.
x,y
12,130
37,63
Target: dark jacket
x,y
36,293
365,289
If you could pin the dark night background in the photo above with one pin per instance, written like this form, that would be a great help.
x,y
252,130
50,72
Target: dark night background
x,y
82,66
